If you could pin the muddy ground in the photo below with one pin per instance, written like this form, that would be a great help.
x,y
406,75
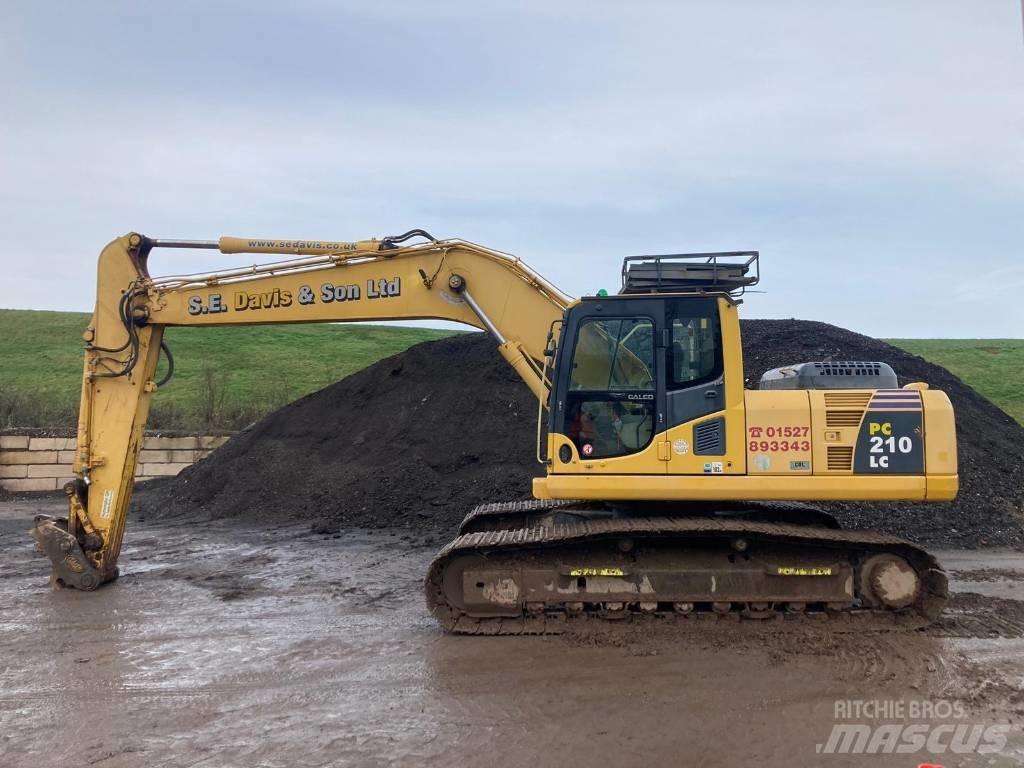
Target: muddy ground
x,y
229,645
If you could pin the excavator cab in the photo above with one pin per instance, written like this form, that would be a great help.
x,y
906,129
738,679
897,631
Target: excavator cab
x,y
632,366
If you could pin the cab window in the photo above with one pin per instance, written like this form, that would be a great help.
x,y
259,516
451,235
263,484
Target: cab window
x,y
614,353
695,355
611,398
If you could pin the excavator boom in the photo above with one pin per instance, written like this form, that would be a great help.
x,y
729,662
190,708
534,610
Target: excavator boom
x,y
323,281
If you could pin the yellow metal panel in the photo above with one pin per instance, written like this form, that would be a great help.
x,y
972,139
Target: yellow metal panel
x,y
735,409
942,487
645,462
778,439
939,434
684,461
733,487
836,415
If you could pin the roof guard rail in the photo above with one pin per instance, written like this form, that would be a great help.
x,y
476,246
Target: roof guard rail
x,y
730,272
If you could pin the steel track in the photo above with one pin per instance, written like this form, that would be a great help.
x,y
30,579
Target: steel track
x,y
533,539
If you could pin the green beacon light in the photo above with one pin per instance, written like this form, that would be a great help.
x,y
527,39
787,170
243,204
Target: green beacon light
x,y
602,292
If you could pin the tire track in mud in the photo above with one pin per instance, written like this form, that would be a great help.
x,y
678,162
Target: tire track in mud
x,y
901,659
988,574
969,614
296,677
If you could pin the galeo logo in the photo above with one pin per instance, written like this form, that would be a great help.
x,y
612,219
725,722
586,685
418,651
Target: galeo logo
x,y
327,293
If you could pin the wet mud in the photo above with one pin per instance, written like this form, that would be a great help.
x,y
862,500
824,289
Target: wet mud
x,y
225,644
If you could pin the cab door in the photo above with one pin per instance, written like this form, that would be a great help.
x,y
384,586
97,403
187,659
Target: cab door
x,y
609,402
695,384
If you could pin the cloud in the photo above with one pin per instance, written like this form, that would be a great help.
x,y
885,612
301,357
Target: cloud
x,y
990,282
824,134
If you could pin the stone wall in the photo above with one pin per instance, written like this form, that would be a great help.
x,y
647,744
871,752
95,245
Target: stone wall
x,y
29,462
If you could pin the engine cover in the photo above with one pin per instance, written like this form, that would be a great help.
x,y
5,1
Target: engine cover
x,y
831,375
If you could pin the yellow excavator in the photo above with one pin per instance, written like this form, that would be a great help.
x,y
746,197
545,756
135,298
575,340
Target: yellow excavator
x,y
671,490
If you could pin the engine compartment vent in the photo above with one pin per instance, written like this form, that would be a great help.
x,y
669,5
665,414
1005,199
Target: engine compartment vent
x,y
840,458
845,409
709,438
843,418
831,375
850,400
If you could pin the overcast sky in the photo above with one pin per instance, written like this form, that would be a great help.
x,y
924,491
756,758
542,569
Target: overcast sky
x,y
872,151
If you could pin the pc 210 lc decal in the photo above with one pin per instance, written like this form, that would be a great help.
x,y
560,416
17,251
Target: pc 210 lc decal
x,y
891,443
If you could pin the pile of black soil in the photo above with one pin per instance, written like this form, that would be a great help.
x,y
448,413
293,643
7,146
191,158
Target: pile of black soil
x,y
418,439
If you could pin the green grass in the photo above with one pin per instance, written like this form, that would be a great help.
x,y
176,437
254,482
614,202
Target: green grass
x,y
994,367
224,377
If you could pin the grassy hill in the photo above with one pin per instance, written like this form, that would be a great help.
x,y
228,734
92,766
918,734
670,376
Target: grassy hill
x,y
226,377
994,367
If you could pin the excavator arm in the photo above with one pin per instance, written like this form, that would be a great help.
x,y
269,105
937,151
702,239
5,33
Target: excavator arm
x,y
367,280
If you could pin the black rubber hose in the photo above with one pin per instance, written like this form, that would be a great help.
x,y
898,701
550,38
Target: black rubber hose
x,y
121,313
170,363
392,241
